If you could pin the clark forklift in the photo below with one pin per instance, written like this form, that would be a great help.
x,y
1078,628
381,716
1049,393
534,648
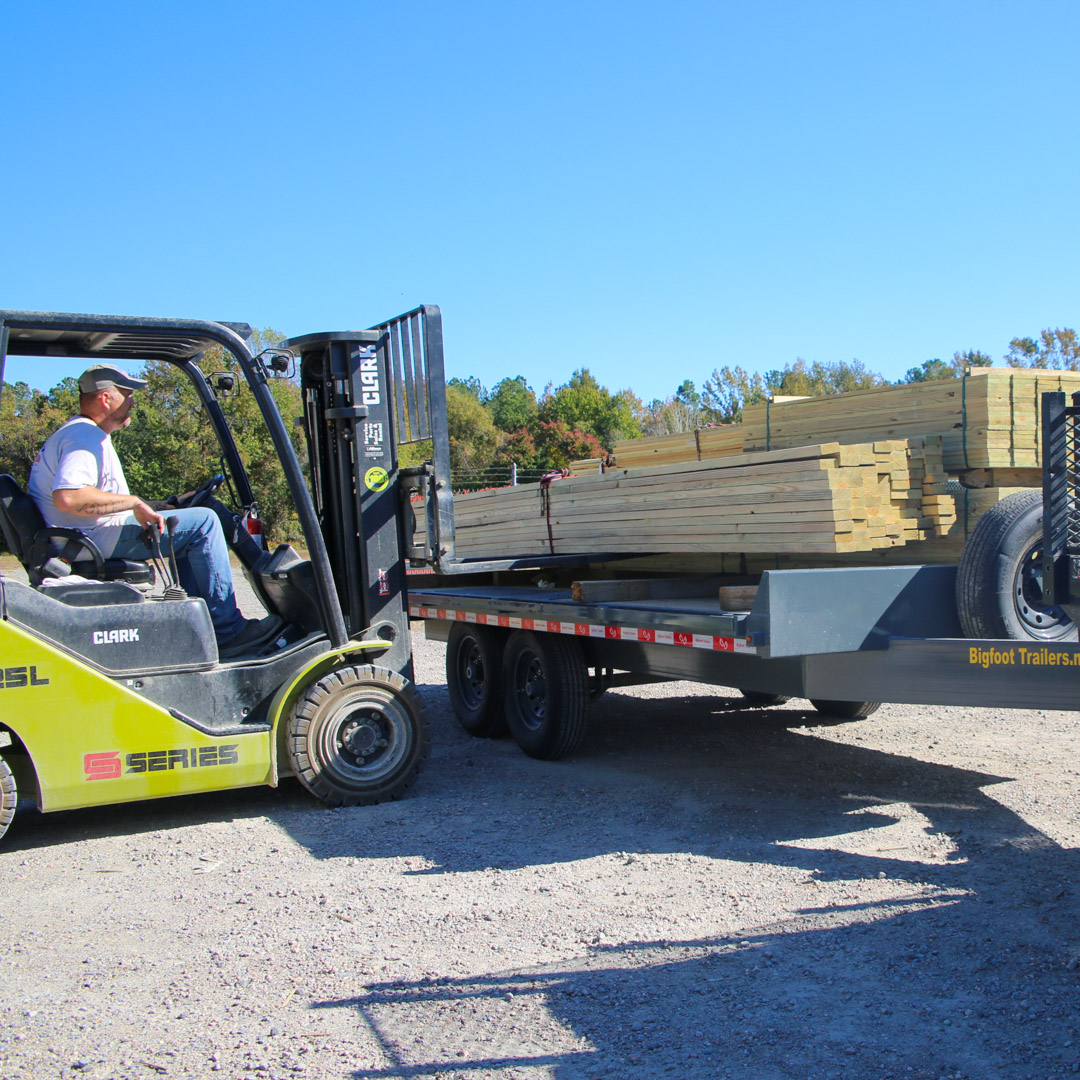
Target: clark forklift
x,y
113,691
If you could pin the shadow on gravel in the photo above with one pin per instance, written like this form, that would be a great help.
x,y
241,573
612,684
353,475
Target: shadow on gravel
x,y
968,968
970,972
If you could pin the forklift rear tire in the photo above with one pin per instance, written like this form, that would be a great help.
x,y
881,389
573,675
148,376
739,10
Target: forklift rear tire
x,y
9,796
357,736
845,710
999,579
546,693
474,678
759,697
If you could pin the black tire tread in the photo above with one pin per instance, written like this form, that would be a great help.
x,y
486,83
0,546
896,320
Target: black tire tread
x,y
489,721
9,796
765,700
315,697
978,585
567,680
845,710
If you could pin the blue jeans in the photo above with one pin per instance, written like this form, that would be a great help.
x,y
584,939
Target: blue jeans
x,y
202,560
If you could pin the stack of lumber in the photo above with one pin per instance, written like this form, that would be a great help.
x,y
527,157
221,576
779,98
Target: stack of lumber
x,y
988,419
818,499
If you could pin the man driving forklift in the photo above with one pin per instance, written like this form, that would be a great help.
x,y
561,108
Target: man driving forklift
x,y
77,481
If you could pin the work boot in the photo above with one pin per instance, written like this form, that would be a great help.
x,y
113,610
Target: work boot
x,y
254,634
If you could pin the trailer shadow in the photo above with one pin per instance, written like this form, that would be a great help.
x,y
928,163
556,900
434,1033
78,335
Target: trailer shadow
x,y
970,968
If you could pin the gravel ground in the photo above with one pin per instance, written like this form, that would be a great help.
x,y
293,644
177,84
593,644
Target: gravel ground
x,y
702,891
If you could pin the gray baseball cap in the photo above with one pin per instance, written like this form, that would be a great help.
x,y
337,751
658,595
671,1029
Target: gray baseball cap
x,y
102,376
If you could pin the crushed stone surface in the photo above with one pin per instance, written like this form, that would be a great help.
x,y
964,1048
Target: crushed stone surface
x,y
705,890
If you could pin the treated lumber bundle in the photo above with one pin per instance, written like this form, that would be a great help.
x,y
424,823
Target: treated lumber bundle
x,y
988,420
821,499
941,548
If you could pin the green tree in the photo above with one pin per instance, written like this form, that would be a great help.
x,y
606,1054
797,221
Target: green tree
x,y
474,439
513,404
728,390
1058,350
584,404
816,379
471,385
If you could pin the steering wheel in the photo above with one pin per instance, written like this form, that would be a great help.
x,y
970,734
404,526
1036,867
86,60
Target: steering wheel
x,y
205,490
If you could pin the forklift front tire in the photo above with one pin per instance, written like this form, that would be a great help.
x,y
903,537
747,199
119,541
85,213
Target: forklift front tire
x,y
358,735
9,796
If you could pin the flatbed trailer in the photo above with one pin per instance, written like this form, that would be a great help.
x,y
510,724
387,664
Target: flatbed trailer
x,y
845,640
531,640
998,630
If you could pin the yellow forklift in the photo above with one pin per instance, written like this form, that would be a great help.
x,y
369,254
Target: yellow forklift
x,y
112,689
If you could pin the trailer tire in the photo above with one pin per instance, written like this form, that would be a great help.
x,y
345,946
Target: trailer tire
x,y
759,697
999,580
845,710
474,678
358,735
546,693
9,796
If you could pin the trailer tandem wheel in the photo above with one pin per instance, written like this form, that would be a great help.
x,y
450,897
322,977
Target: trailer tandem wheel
x,y
546,693
358,735
9,796
474,678
760,697
845,710
999,579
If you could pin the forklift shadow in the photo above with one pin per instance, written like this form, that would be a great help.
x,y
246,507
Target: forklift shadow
x,y
33,830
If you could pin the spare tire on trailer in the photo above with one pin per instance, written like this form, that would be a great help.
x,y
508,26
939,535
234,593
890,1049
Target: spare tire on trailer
x,y
999,579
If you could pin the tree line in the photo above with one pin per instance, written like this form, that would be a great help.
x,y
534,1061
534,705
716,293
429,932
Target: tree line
x,y
169,447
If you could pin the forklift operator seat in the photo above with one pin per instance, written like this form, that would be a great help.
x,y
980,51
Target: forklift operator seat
x,y
45,549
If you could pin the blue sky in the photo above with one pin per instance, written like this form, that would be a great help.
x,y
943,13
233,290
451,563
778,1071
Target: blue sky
x,y
647,190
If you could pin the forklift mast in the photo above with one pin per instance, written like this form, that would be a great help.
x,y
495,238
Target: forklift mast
x,y
1061,502
365,393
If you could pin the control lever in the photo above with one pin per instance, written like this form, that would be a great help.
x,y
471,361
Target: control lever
x,y
174,590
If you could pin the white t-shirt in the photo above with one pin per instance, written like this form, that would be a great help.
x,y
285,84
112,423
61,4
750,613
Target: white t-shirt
x,y
77,455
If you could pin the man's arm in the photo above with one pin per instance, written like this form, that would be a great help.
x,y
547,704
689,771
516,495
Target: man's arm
x,y
93,502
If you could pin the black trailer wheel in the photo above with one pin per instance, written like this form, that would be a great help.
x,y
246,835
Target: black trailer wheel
x,y
358,735
759,697
999,579
845,710
9,796
546,693
474,678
